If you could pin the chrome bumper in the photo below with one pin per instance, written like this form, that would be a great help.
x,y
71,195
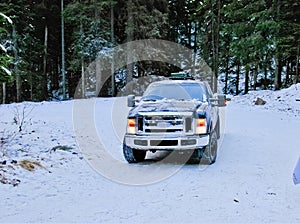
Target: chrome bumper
x,y
166,142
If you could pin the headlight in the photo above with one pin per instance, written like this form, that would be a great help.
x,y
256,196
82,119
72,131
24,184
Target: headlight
x,y
200,126
131,126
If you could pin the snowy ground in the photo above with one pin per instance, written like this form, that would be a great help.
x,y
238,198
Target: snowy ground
x,y
250,182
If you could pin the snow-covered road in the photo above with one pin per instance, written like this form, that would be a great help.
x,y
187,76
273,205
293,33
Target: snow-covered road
x,y
250,182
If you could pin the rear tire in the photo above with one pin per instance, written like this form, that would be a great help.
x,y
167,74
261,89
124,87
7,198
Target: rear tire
x,y
133,155
210,151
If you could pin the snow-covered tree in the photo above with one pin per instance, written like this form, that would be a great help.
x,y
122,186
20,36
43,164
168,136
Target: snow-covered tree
x,y
5,58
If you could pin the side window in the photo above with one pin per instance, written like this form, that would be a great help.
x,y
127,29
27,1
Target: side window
x,y
208,90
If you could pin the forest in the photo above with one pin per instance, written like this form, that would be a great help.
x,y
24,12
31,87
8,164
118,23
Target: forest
x,y
47,45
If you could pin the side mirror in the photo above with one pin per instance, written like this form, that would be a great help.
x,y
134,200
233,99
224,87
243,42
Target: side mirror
x,y
131,100
219,100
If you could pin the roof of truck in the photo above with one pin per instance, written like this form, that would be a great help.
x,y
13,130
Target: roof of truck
x,y
178,82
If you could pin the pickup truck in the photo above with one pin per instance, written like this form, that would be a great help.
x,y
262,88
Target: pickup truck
x,y
174,115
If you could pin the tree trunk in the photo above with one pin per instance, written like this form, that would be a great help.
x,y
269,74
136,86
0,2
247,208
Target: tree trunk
x,y
255,76
195,50
297,65
227,55
247,79
57,73
99,77
213,47
44,75
226,74
16,68
63,52
278,70
31,87
266,77
215,43
129,32
217,46
189,32
82,78
237,82
112,34
82,67
288,70
3,93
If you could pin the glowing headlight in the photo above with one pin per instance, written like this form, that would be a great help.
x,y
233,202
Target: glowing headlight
x,y
131,127
200,126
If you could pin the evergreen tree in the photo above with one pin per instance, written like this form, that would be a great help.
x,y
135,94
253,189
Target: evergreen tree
x,y
5,59
5,43
251,28
23,29
90,37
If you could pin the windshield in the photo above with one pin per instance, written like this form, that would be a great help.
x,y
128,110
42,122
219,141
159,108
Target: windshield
x,y
181,91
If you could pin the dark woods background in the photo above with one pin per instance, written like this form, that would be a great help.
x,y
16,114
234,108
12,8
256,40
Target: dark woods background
x,y
249,44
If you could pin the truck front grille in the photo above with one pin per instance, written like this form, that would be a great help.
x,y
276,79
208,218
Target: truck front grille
x,y
164,124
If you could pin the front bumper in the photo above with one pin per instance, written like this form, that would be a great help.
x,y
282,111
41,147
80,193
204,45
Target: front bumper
x,y
166,142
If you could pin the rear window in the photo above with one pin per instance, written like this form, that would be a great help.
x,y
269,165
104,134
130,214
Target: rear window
x,y
181,91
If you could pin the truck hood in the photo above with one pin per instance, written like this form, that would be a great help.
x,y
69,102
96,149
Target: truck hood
x,y
166,106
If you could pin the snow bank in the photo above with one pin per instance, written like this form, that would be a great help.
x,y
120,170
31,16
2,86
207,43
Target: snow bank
x,y
285,100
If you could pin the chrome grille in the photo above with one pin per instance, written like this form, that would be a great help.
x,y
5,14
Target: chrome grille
x,y
166,124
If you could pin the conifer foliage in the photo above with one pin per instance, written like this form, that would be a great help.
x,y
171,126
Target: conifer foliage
x,y
249,44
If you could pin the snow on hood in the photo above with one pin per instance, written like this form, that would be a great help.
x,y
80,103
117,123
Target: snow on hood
x,y
166,105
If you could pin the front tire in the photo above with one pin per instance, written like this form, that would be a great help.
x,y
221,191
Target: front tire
x,y
210,151
133,155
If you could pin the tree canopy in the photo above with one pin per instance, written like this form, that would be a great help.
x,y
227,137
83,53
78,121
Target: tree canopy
x,y
249,44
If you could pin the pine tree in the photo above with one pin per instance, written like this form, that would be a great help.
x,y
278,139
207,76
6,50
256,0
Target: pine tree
x,y
5,43
251,28
22,32
5,59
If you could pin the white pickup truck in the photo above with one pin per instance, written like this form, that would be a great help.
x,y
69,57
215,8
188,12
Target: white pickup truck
x,y
173,115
